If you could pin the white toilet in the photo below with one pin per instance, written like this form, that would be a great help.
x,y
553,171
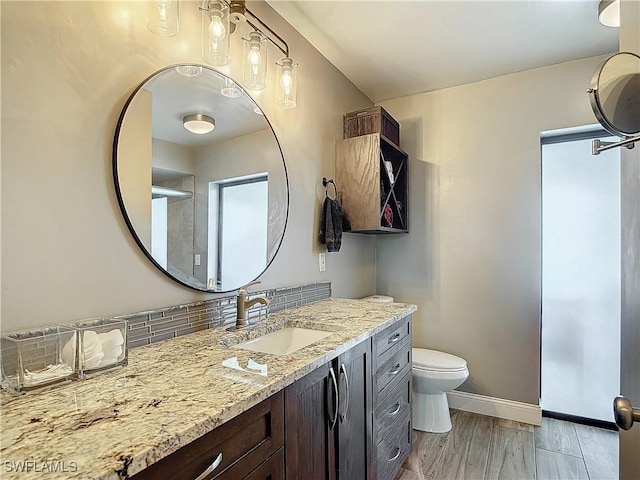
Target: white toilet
x,y
434,374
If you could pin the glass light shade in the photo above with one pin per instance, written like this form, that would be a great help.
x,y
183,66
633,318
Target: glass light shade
x,y
255,63
215,32
163,17
287,83
231,89
198,123
189,71
609,13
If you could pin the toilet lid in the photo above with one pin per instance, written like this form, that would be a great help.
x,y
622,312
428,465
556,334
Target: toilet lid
x,y
434,360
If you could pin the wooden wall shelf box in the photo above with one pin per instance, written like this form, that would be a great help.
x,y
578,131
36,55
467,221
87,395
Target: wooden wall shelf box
x,y
374,199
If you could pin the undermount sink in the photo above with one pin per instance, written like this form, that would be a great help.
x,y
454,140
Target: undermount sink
x,y
284,341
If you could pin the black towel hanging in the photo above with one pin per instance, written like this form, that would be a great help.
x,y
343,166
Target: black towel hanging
x,y
333,221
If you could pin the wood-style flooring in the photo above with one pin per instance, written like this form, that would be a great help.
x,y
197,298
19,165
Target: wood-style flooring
x,y
481,447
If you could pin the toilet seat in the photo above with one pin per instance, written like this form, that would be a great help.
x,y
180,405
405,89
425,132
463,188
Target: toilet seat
x,y
431,360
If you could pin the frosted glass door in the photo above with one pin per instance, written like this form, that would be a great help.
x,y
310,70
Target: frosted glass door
x,y
580,279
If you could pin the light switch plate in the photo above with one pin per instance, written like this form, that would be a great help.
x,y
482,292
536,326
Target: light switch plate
x,y
321,262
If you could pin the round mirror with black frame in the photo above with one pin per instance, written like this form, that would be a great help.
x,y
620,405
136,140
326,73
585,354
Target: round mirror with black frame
x,y
200,178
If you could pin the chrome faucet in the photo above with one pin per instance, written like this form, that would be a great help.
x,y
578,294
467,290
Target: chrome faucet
x,y
242,304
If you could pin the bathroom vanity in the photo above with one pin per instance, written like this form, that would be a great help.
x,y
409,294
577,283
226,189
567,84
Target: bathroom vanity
x,y
338,408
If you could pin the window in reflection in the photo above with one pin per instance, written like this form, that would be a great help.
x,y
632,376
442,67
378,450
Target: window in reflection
x,y
237,224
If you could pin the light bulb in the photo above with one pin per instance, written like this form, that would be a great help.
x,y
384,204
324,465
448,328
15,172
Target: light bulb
x,y
255,59
217,31
286,81
287,91
255,64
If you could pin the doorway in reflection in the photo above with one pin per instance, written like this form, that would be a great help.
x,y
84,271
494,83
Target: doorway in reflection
x,y
238,219
580,277
159,230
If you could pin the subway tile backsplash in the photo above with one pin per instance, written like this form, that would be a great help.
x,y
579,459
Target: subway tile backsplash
x,y
170,322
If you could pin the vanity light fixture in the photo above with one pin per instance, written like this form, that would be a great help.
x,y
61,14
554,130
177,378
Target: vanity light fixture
x,y
220,19
163,17
198,123
609,13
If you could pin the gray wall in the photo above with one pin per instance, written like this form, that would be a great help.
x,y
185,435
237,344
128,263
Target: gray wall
x,y
67,69
472,260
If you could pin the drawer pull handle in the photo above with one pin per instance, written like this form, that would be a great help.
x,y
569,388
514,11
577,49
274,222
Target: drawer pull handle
x,y
395,369
398,451
332,422
394,338
211,467
397,409
342,370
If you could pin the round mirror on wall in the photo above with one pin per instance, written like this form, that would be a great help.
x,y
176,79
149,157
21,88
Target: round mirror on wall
x,y
200,178
615,94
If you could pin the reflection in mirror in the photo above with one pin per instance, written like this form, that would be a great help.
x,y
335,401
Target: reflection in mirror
x,y
200,178
615,94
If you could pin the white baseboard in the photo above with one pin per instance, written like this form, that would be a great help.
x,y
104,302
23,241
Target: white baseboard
x,y
495,407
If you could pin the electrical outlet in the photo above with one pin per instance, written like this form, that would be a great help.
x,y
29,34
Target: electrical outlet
x,y
321,263
197,259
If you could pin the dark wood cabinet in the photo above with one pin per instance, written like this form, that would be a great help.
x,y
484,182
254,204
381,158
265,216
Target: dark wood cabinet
x,y
354,413
328,430
311,406
392,398
231,451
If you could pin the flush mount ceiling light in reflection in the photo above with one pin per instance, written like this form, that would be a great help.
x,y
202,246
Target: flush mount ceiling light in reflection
x,y
198,123
609,13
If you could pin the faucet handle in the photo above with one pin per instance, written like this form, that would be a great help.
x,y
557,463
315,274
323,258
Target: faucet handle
x,y
244,289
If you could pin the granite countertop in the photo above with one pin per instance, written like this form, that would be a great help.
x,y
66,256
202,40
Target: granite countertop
x,y
117,423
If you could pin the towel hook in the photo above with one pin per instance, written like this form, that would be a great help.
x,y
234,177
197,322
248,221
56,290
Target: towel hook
x,y
326,182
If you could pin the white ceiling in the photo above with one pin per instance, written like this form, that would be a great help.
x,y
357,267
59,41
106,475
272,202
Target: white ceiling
x,y
391,49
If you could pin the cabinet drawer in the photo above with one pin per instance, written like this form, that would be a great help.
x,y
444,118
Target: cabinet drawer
x,y
240,445
392,451
393,409
391,371
387,342
272,469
